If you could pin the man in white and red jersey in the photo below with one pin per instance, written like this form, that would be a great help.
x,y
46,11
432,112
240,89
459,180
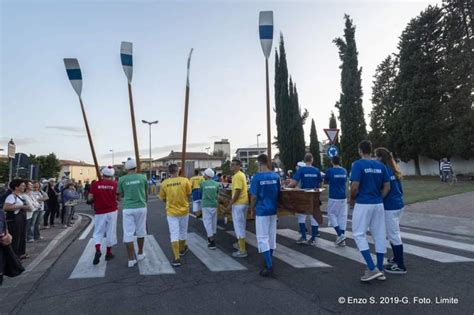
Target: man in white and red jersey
x,y
103,194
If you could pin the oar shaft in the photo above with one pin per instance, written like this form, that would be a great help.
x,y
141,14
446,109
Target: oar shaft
x,y
134,128
94,157
269,132
185,132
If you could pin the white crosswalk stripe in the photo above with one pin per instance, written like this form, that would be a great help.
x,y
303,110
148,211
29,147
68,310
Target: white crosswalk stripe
x,y
215,260
288,255
416,250
434,240
155,262
347,252
85,268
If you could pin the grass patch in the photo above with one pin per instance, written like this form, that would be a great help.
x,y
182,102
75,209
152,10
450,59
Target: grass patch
x,y
419,189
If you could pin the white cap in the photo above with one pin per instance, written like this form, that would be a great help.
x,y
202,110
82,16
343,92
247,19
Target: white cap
x,y
130,164
301,164
108,171
209,173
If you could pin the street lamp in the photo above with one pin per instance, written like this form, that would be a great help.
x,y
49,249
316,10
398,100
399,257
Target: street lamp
x,y
149,125
113,162
258,135
208,157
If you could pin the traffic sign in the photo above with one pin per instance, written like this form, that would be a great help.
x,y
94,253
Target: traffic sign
x,y
332,134
332,151
11,149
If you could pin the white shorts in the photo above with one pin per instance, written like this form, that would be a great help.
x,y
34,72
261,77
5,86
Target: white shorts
x,y
209,218
178,227
134,223
239,218
373,216
302,219
105,225
197,206
392,224
265,227
337,213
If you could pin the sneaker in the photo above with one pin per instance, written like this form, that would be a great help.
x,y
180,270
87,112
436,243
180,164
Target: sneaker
x,y
47,227
184,251
341,238
109,256
301,241
312,242
30,241
391,261
239,254
236,246
132,263
343,244
97,258
140,257
371,275
176,262
382,277
266,272
211,245
394,269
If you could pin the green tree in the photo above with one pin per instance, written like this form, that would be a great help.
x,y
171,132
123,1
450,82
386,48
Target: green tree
x,y
289,118
48,165
314,145
351,113
252,167
383,101
226,168
419,118
457,76
4,171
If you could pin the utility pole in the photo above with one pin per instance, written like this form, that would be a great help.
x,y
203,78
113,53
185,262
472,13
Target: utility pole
x,y
149,130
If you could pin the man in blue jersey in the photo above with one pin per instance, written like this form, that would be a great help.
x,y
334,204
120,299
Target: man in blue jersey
x,y
264,191
309,177
370,183
336,176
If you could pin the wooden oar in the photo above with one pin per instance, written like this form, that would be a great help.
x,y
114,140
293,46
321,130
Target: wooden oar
x,y
185,124
75,77
266,40
126,56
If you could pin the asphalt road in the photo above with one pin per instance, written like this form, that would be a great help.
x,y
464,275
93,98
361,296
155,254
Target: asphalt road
x,y
440,266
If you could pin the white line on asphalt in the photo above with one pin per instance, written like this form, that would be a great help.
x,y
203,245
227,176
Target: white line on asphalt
x,y
52,245
88,228
288,255
416,250
85,268
215,260
347,252
155,262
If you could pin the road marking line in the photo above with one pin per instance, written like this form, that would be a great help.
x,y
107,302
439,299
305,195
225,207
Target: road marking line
x,y
85,268
89,227
288,255
155,262
215,260
347,252
415,250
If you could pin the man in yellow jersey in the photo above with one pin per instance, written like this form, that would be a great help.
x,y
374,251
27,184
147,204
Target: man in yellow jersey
x,y
239,205
196,181
175,192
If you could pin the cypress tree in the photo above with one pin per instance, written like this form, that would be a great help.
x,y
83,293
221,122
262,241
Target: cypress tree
x,y
314,145
351,113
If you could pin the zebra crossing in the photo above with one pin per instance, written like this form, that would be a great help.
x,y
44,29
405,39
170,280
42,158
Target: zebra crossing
x,y
157,263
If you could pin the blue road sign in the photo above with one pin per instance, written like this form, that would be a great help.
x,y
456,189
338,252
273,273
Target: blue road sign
x,y
332,151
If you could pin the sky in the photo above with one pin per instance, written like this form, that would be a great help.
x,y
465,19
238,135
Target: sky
x,y
41,112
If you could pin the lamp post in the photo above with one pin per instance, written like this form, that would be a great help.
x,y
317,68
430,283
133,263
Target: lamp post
x,y
258,135
11,156
149,129
208,157
113,161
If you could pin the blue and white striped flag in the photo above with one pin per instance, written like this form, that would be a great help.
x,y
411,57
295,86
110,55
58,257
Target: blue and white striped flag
x,y
266,32
126,55
74,74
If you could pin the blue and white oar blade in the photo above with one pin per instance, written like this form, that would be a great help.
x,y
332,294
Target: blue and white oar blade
x,y
189,65
266,31
126,56
74,74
